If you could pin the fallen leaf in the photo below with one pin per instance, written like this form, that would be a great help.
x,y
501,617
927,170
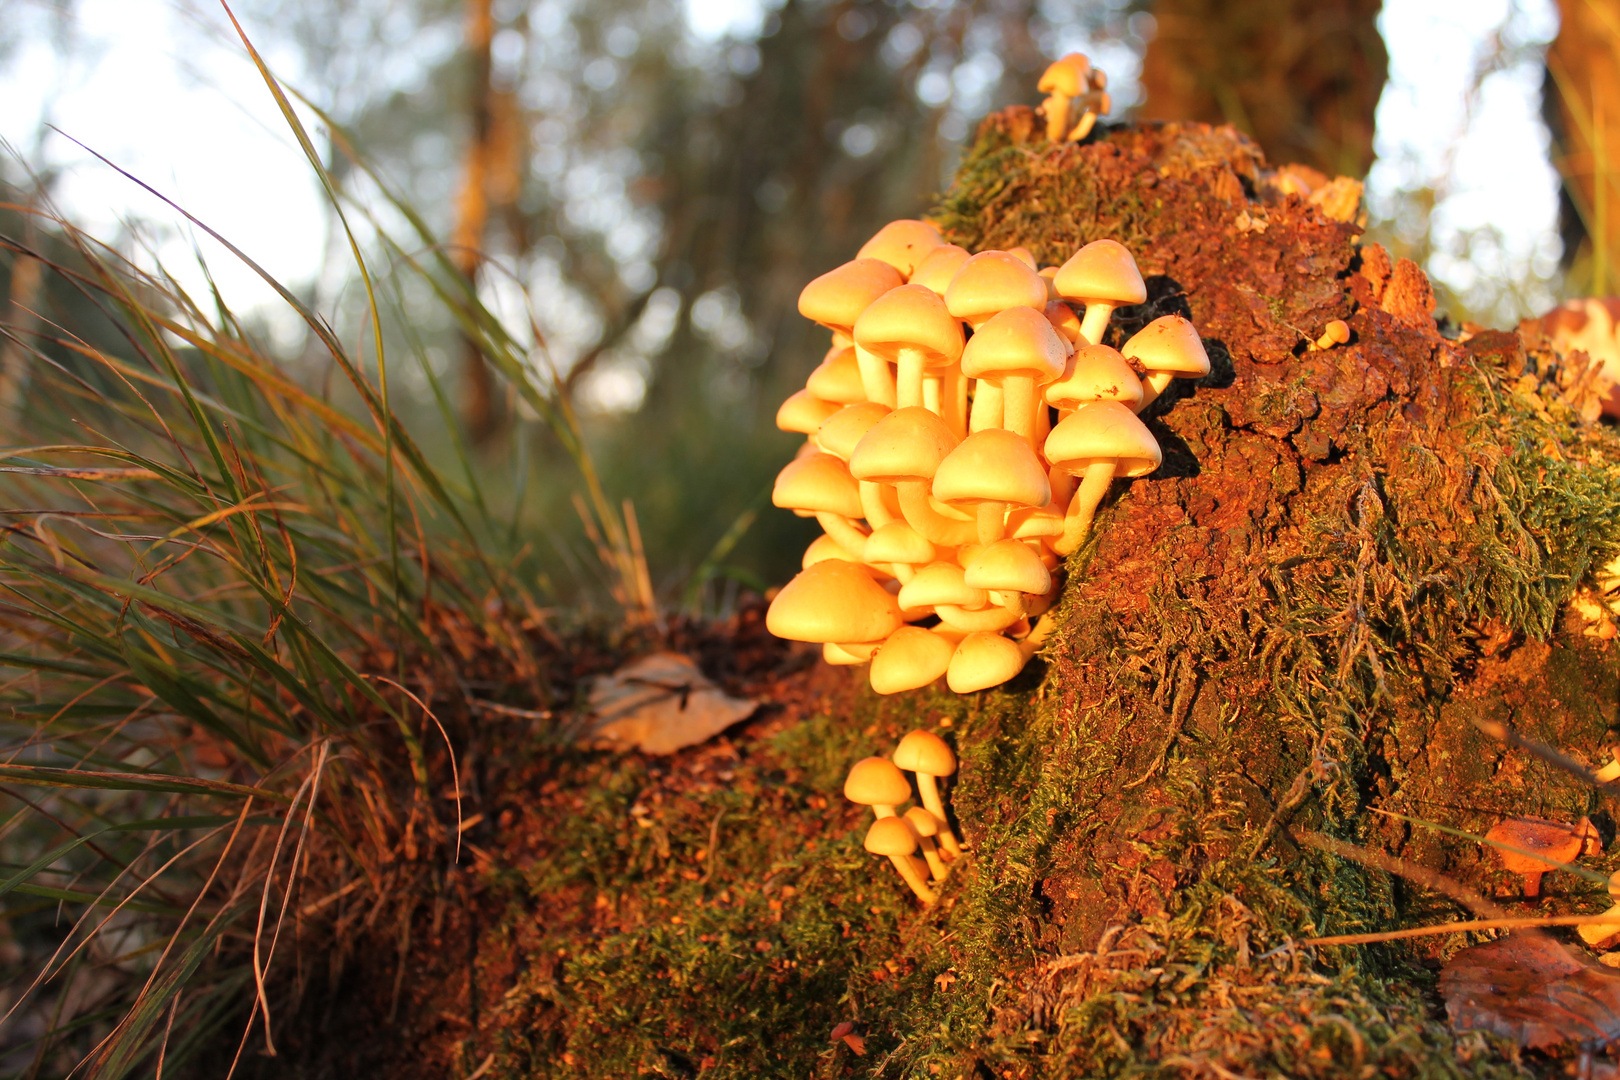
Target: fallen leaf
x,y
659,704
1530,988
846,1033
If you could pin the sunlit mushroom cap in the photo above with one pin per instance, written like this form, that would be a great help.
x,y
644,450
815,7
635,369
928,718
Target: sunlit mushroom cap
x,y
940,583
1016,341
817,484
844,429
891,836
983,660
902,244
843,656
833,601
1103,431
924,752
993,465
823,548
1066,75
803,412
921,821
990,282
908,659
908,444
912,316
837,378
1104,271
897,542
1063,320
1023,255
837,298
876,781
1169,343
1095,373
940,266
1007,566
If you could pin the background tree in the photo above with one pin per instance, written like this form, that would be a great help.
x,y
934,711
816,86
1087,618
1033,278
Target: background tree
x,y
1302,77
1582,107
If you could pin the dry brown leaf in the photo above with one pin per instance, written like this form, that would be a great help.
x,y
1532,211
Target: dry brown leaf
x,y
659,704
1530,988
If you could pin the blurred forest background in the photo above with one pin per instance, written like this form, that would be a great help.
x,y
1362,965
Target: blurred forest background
x,y
642,187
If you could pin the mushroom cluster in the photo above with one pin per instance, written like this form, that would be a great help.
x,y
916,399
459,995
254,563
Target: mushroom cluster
x,y
1072,86
881,784
961,433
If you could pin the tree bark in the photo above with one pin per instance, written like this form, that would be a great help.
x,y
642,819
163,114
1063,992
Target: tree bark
x,y
1582,109
473,211
1301,77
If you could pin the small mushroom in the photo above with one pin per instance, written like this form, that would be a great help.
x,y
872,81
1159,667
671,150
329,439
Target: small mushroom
x,y
878,783
1336,332
835,601
906,449
1103,276
1063,81
909,659
987,472
910,328
939,267
837,377
836,300
1007,567
1016,351
1532,847
1595,932
930,757
1098,441
819,486
894,837
983,660
989,283
902,244
1095,373
898,546
926,826
804,413
1168,348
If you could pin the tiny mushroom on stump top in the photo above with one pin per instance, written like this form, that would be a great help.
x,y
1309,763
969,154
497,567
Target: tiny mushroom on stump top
x,y
1168,348
1098,441
837,298
930,757
1103,276
1064,80
878,783
926,826
894,837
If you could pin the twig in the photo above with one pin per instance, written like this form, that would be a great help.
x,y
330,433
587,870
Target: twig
x,y
1390,864
714,848
1453,928
1502,733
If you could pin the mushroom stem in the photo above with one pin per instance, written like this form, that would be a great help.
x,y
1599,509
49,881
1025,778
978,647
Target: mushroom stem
x,y
988,407
911,869
1083,128
874,504
992,520
883,810
1083,507
955,394
936,866
908,370
877,380
1153,384
1018,403
1056,108
930,523
929,790
931,395
844,534
1095,323
989,619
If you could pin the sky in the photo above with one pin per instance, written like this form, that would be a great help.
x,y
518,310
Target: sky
x,y
147,78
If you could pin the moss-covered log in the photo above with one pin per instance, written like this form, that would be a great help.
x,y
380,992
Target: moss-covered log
x,y
1350,556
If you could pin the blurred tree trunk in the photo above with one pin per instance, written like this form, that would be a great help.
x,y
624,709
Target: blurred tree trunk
x,y
492,176
1302,77
1582,107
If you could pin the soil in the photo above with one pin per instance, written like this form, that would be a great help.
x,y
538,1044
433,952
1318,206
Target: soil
x,y
1351,558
